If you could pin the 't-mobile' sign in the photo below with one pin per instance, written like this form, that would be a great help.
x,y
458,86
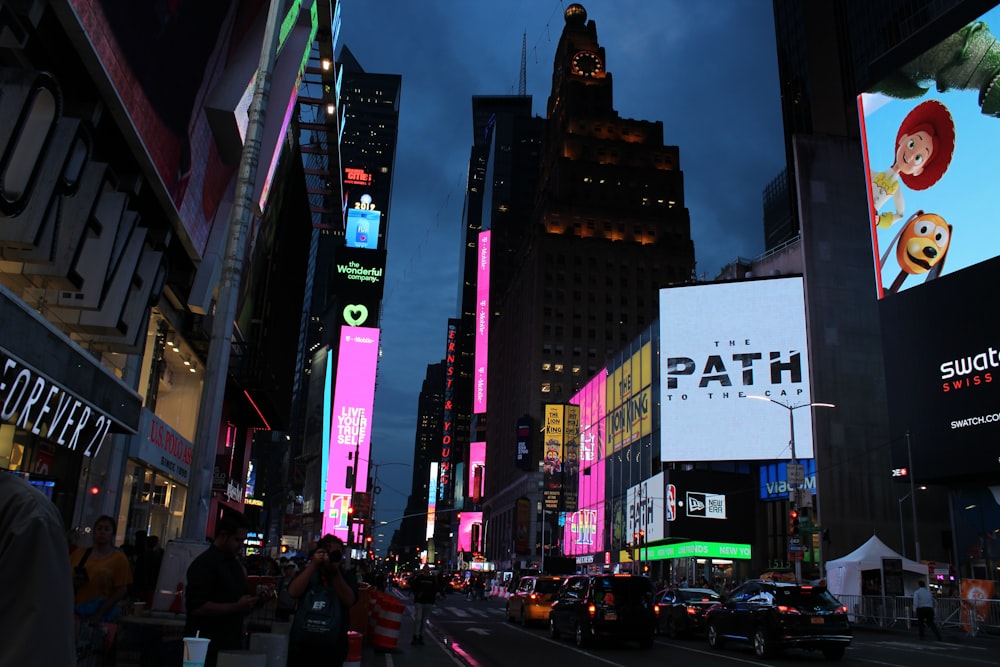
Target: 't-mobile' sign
x,y
482,323
350,424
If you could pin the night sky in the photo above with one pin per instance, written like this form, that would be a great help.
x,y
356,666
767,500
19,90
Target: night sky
x,y
707,70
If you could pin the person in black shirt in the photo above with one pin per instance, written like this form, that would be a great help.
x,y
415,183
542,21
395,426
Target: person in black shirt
x,y
424,587
216,596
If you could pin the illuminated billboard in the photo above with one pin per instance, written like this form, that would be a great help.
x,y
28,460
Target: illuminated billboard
x,y
362,228
929,130
644,508
477,470
584,530
561,456
943,376
470,532
431,500
359,273
350,423
482,324
629,400
720,343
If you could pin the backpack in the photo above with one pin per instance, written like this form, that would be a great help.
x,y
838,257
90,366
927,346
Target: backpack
x,y
317,617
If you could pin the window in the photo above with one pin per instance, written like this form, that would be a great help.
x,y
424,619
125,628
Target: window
x,y
558,368
546,387
546,366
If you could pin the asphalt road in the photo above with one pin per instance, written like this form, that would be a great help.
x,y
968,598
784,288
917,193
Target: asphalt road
x,y
477,634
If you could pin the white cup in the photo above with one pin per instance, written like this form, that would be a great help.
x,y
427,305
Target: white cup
x,y
195,651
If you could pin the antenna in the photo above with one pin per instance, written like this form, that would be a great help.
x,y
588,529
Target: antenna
x,y
522,83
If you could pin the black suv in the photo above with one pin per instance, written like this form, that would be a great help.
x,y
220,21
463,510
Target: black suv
x,y
773,615
604,606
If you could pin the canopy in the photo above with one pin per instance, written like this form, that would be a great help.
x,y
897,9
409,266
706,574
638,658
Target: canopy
x,y
843,575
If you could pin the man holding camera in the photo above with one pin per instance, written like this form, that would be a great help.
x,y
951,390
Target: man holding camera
x,y
326,590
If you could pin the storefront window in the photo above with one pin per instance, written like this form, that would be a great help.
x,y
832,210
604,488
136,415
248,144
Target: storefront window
x,y
154,504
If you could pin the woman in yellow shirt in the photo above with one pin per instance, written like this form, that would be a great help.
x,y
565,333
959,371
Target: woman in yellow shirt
x,y
103,579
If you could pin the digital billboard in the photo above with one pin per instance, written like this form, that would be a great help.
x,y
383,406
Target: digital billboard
x,y
470,531
938,327
431,501
477,470
720,343
482,324
362,228
552,455
943,376
929,131
359,273
644,509
584,529
445,473
629,400
350,423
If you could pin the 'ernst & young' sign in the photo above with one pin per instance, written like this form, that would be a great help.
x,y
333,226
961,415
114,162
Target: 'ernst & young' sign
x,y
34,403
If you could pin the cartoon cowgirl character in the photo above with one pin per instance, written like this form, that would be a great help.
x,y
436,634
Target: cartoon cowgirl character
x,y
924,146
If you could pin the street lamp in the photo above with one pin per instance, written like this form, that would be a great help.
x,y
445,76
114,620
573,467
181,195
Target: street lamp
x,y
793,493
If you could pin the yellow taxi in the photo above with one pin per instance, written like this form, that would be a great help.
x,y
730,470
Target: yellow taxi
x,y
532,599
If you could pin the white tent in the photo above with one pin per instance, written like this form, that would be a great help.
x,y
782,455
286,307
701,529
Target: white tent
x,y
843,575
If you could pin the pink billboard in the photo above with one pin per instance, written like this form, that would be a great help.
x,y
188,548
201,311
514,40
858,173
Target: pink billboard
x,y
477,470
482,323
470,528
584,530
350,424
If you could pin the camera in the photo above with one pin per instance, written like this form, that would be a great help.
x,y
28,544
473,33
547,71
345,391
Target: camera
x,y
335,556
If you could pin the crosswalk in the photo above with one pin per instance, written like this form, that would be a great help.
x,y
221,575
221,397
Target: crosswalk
x,y
493,613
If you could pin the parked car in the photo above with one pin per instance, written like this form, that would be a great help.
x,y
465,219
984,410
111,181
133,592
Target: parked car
x,y
773,615
604,606
682,610
532,599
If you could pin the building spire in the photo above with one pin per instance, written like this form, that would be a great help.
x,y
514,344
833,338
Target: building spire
x,y
522,82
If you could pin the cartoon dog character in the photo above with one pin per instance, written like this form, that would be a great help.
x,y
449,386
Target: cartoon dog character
x,y
921,247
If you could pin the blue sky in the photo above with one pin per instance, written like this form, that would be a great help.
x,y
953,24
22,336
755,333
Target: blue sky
x,y
707,70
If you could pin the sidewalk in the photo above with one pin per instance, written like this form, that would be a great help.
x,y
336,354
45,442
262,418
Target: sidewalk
x,y
432,653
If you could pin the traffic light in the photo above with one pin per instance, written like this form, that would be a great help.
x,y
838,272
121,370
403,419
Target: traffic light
x,y
642,537
793,522
284,548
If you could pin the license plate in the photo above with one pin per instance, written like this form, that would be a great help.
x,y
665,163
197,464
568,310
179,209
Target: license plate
x,y
611,616
817,620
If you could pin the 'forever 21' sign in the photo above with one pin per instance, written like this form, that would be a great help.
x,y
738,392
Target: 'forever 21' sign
x,y
33,402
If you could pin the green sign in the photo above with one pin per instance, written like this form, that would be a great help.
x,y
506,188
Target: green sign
x,y
695,550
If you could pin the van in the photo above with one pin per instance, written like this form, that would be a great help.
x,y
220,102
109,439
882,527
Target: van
x,y
592,607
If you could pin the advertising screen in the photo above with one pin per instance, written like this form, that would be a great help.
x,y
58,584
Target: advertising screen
x,y
645,508
359,273
719,344
362,228
629,400
584,529
943,376
552,455
431,500
350,425
469,531
929,130
477,470
482,324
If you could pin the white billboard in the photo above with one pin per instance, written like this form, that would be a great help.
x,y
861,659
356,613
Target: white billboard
x,y
719,345
646,507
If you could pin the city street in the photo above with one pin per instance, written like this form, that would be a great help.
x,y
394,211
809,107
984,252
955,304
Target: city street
x,y
477,633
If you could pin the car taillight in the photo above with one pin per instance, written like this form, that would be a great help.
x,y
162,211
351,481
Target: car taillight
x,y
782,609
692,610
592,610
656,609
842,609
533,596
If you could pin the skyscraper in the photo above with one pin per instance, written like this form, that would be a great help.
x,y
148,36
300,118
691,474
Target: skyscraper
x,y
608,228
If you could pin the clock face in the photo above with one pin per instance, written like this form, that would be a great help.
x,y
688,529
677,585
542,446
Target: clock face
x,y
587,63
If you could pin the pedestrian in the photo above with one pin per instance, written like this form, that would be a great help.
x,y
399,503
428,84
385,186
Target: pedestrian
x,y
102,575
34,570
286,603
326,590
923,605
425,589
217,598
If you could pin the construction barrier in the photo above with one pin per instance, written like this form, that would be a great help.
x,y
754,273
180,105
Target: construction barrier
x,y
354,640
361,611
385,636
